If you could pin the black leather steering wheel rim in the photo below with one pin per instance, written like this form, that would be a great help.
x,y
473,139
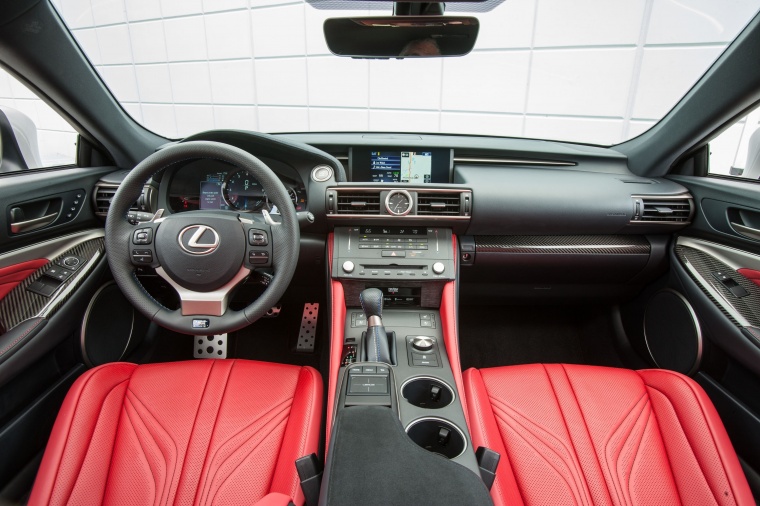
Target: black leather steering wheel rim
x,y
285,238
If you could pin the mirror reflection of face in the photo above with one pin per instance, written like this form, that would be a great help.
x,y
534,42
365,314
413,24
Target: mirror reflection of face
x,y
421,47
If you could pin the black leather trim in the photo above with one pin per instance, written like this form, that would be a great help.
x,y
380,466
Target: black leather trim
x,y
14,339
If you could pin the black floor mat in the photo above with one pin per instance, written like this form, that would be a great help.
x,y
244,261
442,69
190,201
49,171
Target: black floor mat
x,y
493,336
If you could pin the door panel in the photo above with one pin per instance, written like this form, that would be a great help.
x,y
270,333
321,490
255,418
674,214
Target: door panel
x,y
716,265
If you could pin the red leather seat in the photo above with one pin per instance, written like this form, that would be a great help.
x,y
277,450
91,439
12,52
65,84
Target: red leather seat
x,y
202,432
572,434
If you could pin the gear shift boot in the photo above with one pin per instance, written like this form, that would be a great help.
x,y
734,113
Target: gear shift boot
x,y
376,340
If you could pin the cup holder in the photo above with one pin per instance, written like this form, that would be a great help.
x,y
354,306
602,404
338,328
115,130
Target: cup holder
x,y
427,393
438,436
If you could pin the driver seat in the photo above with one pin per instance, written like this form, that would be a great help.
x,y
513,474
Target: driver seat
x,y
200,432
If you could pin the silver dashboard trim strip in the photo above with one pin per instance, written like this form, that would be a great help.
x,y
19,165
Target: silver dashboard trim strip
x,y
512,161
49,249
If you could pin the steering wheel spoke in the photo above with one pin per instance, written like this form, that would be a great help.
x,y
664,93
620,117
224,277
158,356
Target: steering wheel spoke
x,y
213,303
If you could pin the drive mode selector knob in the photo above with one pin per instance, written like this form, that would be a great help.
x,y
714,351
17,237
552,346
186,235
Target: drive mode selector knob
x,y
438,268
348,266
422,343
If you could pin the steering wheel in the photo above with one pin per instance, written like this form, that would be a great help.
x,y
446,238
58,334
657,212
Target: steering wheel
x,y
202,254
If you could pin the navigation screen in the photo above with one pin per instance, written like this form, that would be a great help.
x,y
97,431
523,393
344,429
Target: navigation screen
x,y
401,166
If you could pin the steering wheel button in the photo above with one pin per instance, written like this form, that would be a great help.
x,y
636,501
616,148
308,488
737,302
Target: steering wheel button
x,y
258,257
142,236
257,237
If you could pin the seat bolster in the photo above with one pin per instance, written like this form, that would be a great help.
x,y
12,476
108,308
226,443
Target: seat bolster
x,y
75,425
301,435
684,411
485,432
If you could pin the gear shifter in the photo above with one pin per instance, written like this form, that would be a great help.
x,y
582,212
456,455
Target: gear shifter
x,y
376,342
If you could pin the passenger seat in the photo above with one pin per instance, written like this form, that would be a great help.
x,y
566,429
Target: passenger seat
x,y
571,434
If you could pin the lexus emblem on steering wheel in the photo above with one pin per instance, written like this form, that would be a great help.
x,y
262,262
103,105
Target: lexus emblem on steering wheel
x,y
198,239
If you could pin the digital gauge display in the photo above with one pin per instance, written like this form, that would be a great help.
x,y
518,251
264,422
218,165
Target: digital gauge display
x,y
243,192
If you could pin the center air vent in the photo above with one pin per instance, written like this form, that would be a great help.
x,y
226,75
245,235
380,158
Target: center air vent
x,y
439,204
358,203
668,210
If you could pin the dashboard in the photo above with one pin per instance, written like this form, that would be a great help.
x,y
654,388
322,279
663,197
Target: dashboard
x,y
215,185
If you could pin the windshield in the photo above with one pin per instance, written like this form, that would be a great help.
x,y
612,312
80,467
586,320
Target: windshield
x,y
592,71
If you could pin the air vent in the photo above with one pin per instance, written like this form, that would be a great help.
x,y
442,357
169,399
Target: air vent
x,y
104,193
358,203
439,204
651,209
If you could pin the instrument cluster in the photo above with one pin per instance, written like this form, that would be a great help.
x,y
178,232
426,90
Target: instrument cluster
x,y
212,185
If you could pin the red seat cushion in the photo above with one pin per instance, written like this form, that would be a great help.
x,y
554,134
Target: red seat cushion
x,y
573,434
202,432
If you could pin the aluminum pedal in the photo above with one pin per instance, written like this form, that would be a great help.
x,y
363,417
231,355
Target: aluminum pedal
x,y
307,336
210,346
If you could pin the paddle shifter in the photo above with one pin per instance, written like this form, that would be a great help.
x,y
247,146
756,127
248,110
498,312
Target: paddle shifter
x,y
376,342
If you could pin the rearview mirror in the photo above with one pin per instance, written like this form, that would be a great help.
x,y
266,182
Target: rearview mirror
x,y
401,36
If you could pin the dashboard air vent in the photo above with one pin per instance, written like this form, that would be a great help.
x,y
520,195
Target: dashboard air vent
x,y
358,203
103,195
651,209
439,204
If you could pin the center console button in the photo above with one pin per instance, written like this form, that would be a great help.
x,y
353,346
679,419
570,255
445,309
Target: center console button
x,y
348,266
438,268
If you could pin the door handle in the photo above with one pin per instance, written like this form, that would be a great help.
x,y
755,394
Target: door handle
x,y
749,232
29,225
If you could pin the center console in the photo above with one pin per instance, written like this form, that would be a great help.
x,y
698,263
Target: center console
x,y
404,411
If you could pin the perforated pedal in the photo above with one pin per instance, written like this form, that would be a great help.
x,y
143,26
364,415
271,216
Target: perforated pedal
x,y
308,333
210,346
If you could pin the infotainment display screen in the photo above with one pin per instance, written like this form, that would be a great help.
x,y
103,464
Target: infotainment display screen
x,y
392,165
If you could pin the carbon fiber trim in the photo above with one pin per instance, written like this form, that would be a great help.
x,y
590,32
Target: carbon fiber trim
x,y
705,265
564,244
21,304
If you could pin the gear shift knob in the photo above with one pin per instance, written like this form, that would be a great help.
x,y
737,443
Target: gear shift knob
x,y
372,304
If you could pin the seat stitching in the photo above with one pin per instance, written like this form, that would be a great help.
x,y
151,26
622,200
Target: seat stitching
x,y
68,433
582,483
630,429
638,453
150,432
585,427
539,432
562,475
263,437
690,448
704,417
612,454
199,486
159,424
222,446
118,423
145,456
